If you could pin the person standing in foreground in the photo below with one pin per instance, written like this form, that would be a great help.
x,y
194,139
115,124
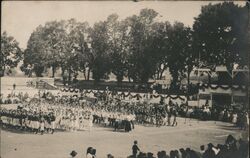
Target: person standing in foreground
x,y
135,149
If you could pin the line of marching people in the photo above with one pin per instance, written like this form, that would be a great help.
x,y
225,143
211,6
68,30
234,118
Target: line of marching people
x,y
42,116
28,121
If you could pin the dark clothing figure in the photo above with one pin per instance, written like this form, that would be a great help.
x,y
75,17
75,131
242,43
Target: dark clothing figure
x,y
14,86
127,126
135,150
209,153
243,148
174,112
231,143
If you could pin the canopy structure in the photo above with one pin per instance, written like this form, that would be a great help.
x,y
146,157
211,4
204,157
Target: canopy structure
x,y
229,94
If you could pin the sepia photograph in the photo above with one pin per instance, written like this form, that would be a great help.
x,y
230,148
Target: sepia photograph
x,y
124,79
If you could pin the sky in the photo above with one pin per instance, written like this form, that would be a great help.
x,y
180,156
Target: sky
x,y
20,18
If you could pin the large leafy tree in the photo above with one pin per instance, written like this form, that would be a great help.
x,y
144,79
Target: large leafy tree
x,y
220,34
141,64
54,37
58,44
118,46
33,56
77,51
180,56
160,46
100,50
11,54
46,47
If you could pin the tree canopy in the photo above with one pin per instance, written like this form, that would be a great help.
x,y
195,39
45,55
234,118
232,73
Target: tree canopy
x,y
11,54
221,34
139,47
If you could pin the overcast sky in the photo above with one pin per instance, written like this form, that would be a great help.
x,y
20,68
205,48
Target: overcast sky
x,y
20,18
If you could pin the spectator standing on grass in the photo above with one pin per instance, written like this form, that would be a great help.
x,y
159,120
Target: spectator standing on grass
x,y
135,149
42,125
90,122
174,112
245,121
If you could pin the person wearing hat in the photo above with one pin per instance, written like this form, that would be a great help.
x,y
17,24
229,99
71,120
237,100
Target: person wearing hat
x,y
73,154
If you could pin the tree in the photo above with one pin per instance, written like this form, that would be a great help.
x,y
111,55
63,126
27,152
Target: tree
x,y
46,47
220,34
160,46
180,57
118,46
11,54
54,38
77,53
100,51
141,67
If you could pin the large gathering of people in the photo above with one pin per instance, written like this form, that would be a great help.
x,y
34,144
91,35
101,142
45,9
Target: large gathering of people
x,y
46,112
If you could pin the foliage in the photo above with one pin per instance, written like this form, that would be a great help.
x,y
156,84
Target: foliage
x,y
220,34
140,47
141,66
11,54
180,54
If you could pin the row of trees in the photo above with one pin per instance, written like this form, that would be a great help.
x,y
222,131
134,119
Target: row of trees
x,y
138,47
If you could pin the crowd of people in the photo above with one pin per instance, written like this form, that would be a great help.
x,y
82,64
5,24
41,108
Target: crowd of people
x,y
46,112
72,113
232,148
68,113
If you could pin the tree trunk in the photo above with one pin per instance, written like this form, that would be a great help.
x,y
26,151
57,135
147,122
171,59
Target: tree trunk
x,y
53,71
88,74
188,83
85,77
119,79
69,77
